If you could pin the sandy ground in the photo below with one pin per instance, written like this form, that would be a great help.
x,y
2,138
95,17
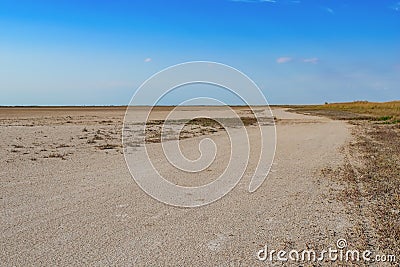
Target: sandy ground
x,y
67,197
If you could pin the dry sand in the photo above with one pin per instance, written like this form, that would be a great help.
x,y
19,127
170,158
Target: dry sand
x,y
67,197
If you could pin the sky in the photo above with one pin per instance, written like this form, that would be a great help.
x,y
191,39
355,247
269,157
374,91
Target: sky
x,y
100,52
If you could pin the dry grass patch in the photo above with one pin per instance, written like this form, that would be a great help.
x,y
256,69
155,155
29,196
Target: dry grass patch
x,y
108,146
372,189
194,127
387,112
56,156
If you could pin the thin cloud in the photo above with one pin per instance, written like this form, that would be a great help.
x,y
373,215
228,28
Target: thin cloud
x,y
395,7
282,60
148,60
329,10
313,60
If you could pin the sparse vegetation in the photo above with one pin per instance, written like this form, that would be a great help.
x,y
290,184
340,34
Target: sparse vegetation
x,y
108,146
384,118
373,187
379,177
388,112
62,146
97,137
196,127
56,155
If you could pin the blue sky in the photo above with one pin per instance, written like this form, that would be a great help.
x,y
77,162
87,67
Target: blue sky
x,y
99,52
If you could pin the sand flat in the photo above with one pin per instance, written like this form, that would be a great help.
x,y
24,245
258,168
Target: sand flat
x,y
67,197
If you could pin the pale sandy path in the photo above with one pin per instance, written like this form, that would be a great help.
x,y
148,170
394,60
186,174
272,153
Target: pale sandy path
x,y
87,210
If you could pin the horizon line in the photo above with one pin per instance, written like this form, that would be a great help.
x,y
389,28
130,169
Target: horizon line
x,y
124,106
